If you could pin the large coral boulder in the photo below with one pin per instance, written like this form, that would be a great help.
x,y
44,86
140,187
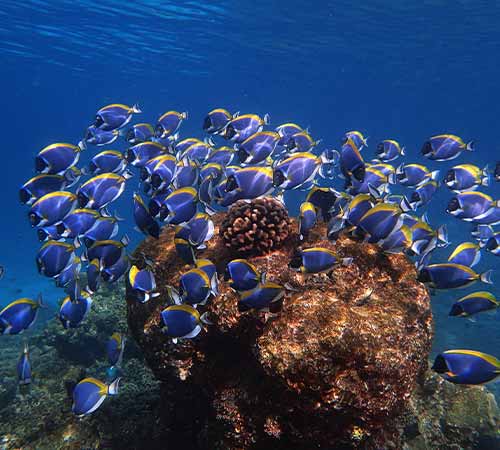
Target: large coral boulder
x,y
332,369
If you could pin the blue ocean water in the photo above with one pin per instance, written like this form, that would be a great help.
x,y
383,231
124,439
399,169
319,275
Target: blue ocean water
x,y
392,69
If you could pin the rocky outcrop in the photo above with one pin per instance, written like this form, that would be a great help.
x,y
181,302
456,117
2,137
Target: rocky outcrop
x,y
333,369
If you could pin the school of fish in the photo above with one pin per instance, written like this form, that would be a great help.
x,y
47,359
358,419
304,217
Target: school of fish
x,y
185,181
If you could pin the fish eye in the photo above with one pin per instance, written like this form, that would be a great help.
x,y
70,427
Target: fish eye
x,y
34,219
231,183
159,130
82,199
156,180
227,274
426,148
491,244
40,164
359,173
296,261
242,155
144,174
278,178
42,234
456,310
207,123
424,276
24,196
130,136
453,204
98,121
92,166
440,365
130,155
230,132
380,147
450,176
415,197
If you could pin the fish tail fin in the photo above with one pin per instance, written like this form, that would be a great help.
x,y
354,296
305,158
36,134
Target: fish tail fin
x,y
403,151
267,119
236,114
469,146
82,145
331,156
442,235
392,178
485,176
434,175
486,277
136,109
113,386
347,261
174,295
204,319
39,300
209,140
185,115
405,205
125,240
412,205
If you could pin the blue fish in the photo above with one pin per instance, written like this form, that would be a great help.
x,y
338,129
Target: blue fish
x,y
197,152
265,296
90,393
159,171
182,322
183,145
423,194
473,304
412,175
51,208
70,273
114,116
357,138
77,223
381,220
445,147
140,132
104,228
373,181
286,131
242,127
301,142
98,137
142,283
242,275
143,219
323,199
469,205
350,214
48,233
307,219
490,217
186,174
466,366
108,161
389,150
24,367
169,123
352,163
53,257
19,315
216,120
93,275
222,155
213,171
184,250
139,154
258,147
108,252
115,348
196,288
201,229
466,254
209,268
317,260
111,274
179,206
156,201
492,245
496,173
451,276
101,190
398,241
57,158
425,238
73,313
466,177
250,182
41,185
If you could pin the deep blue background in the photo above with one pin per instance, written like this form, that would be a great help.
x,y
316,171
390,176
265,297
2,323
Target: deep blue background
x,y
393,69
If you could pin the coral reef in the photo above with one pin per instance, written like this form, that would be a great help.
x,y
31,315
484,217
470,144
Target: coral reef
x,y
334,368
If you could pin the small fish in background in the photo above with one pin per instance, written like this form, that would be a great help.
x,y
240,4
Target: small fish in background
x,y
357,138
223,155
169,123
374,181
398,241
210,269
265,296
307,219
286,131
139,154
56,159
107,252
19,315
77,223
216,120
114,116
89,394
48,233
242,127
73,312
186,174
96,136
451,276
112,274
197,152
107,161
496,173
51,208
382,220
324,199
423,193
258,147
101,190
142,283
352,163
179,206
317,260
24,368
115,346
412,175
250,182
470,205
201,230
145,223
104,228
301,142
140,132
159,171
466,254
445,147
54,256
474,303
389,150
466,366
242,275
182,322
424,237
195,288
466,177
